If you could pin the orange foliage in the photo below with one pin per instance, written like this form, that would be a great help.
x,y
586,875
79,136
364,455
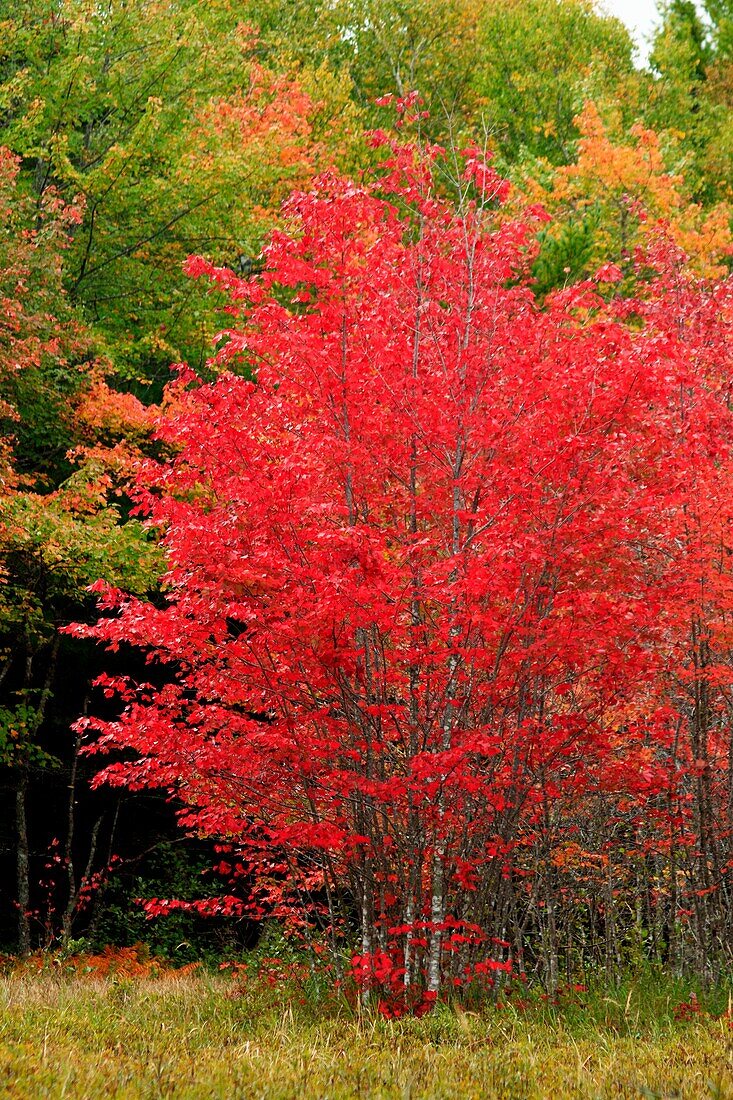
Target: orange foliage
x,y
117,962
637,198
257,141
103,409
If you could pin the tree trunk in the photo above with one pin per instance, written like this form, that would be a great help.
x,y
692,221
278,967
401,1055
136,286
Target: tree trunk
x,y
22,864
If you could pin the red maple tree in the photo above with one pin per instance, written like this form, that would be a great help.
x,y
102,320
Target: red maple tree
x,y
430,574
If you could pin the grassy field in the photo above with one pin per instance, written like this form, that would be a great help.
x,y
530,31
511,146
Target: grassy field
x,y
204,1036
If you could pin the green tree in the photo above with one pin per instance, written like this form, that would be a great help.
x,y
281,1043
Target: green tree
x,y
690,100
537,61
161,117
384,46
421,45
59,530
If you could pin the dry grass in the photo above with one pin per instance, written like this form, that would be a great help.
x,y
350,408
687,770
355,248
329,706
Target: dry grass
x,y
63,1036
